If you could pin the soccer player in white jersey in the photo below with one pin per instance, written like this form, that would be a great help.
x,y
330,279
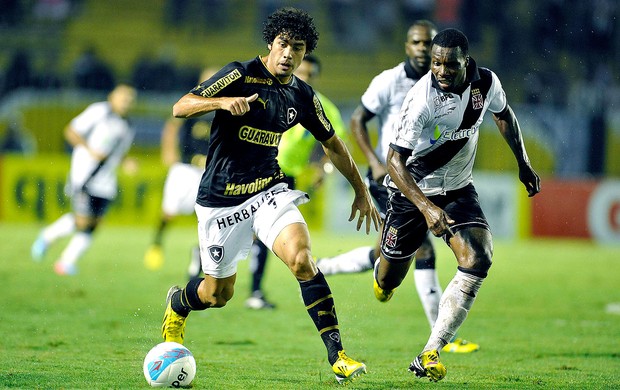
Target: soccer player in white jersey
x,y
430,165
100,136
382,100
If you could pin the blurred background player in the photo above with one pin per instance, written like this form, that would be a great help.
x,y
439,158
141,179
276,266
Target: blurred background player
x,y
100,136
382,100
297,148
184,144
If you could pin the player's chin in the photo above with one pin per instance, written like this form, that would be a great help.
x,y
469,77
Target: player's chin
x,y
285,71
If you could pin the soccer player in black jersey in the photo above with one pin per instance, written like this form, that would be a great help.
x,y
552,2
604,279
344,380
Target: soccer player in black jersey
x,y
243,190
430,164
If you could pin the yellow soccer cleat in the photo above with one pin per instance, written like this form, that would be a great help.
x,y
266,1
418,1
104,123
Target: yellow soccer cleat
x,y
173,325
460,346
154,258
347,369
427,364
381,294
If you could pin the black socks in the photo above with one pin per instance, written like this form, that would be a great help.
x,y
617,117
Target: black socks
x,y
318,299
188,300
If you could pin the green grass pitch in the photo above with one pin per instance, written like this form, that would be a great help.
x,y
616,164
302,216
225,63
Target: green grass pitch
x,y
546,318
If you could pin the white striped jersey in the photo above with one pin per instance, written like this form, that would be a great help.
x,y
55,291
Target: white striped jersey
x,y
439,130
107,134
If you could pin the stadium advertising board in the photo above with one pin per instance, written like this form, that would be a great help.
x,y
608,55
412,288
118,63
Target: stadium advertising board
x,y
33,190
579,209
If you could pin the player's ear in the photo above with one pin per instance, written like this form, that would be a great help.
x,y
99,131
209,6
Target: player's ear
x,y
269,46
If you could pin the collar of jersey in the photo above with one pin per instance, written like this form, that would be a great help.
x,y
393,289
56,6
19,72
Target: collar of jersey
x,y
410,71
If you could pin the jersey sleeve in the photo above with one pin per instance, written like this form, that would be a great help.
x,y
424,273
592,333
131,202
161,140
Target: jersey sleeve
x,y
316,121
222,81
496,96
333,114
376,96
412,118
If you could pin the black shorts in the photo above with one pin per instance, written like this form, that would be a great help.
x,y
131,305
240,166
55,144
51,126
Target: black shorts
x,y
379,193
405,227
87,205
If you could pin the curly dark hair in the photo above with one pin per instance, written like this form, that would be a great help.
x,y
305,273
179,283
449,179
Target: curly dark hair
x,y
294,23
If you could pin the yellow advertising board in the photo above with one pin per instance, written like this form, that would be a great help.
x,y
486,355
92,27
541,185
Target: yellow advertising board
x,y
33,190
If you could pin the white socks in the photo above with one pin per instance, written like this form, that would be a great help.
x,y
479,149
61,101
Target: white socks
x,y
453,308
78,244
62,227
429,291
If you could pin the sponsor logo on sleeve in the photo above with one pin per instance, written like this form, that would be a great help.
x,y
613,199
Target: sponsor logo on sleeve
x,y
221,83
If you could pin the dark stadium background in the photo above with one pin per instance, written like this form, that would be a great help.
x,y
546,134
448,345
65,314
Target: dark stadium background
x,y
558,62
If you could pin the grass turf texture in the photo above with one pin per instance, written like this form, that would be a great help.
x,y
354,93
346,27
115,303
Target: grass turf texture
x,y
540,318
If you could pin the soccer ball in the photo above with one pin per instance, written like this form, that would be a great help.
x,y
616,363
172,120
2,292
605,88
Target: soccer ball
x,y
169,364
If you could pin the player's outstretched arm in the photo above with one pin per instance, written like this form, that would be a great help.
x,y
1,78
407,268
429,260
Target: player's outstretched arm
x,y
508,126
190,105
338,153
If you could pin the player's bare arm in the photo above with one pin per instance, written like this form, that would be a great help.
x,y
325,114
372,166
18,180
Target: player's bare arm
x,y
360,117
191,106
75,139
508,126
338,153
437,220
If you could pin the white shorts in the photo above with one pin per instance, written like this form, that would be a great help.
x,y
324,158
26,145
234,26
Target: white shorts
x,y
225,234
180,189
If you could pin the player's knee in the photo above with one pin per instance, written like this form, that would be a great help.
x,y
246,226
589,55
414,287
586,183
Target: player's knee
x,y
389,282
390,276
483,259
302,266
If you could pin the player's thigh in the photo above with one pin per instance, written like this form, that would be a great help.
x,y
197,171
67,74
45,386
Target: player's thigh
x,y
289,239
292,246
380,196
472,242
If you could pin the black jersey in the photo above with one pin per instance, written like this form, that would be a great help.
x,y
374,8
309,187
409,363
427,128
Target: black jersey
x,y
194,138
242,152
